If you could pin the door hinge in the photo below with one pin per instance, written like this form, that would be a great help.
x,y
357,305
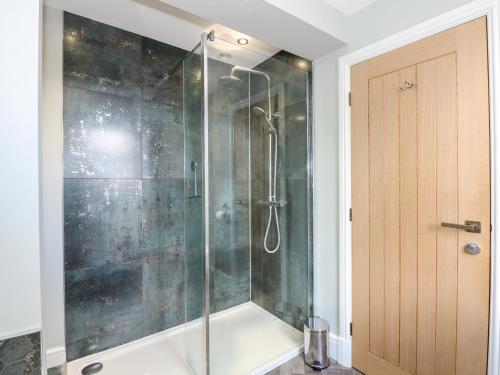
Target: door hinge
x,y
349,98
350,214
350,329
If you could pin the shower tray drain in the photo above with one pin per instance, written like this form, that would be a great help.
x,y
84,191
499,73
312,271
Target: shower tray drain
x,y
93,368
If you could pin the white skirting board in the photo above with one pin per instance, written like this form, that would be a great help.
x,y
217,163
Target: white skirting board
x,y
19,332
56,356
340,349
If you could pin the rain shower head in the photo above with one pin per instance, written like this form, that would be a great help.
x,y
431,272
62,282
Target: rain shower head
x,y
231,82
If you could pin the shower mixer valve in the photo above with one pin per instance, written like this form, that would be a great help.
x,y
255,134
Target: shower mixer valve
x,y
272,203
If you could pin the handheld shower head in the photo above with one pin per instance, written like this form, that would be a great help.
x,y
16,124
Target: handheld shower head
x,y
257,111
231,82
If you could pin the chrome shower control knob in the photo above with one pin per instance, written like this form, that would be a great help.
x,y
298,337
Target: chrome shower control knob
x,y
472,248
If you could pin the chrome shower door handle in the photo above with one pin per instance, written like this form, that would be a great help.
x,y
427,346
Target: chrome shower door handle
x,y
469,226
194,168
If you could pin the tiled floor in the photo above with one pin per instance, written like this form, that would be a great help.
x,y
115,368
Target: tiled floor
x,y
296,366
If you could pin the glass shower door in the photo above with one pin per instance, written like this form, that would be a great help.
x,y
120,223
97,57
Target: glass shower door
x,y
228,215
256,148
247,147
195,328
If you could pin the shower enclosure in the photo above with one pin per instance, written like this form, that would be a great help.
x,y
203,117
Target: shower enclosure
x,y
248,219
187,204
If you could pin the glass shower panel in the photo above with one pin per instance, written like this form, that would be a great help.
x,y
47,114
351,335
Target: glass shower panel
x,y
257,266
228,206
228,148
195,329
282,282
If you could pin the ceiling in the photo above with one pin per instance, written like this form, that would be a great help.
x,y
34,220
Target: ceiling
x,y
171,25
308,28
349,7
150,18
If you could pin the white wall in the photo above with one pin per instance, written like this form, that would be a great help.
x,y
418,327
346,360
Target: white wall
x,y
381,19
19,196
52,188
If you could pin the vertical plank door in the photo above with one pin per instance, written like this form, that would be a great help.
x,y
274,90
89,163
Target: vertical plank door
x,y
420,158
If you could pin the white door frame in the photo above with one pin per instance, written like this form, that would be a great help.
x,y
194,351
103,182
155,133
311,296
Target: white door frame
x,y
478,8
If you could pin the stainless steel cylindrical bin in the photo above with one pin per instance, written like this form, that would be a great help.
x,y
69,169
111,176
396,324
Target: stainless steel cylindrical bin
x,y
316,343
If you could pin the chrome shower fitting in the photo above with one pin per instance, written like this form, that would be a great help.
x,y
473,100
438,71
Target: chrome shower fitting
x,y
232,82
272,202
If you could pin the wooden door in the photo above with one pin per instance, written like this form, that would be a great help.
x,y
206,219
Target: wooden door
x,y
420,157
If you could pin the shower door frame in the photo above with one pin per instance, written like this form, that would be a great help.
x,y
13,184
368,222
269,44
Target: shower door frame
x,y
205,37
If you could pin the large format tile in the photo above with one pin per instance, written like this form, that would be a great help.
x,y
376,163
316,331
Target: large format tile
x,y
163,292
99,338
193,87
294,60
103,307
193,146
162,141
271,281
102,135
295,154
158,59
295,305
122,123
228,291
193,224
241,232
194,288
285,79
102,222
163,217
101,58
297,230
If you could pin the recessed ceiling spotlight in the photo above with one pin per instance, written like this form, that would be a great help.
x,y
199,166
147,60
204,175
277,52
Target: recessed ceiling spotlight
x,y
243,41
225,56
302,64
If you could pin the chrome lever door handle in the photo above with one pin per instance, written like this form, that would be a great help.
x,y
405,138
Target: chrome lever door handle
x,y
469,226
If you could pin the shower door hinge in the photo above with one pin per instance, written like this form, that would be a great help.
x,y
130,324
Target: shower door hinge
x,y
350,329
350,214
349,96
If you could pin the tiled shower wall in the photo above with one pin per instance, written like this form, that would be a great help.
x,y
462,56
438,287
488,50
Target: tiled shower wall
x,y
281,281
123,187
131,230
